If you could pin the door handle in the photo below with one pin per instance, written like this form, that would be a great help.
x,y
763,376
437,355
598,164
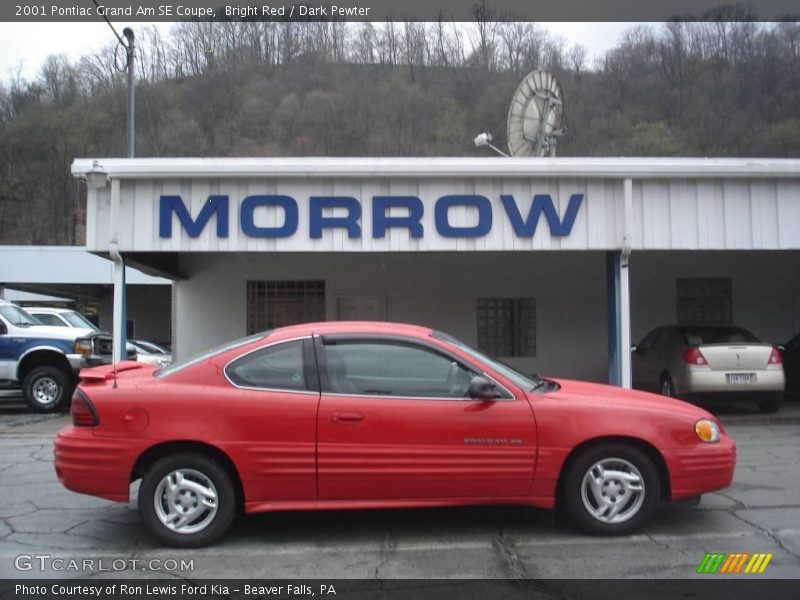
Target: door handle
x,y
347,417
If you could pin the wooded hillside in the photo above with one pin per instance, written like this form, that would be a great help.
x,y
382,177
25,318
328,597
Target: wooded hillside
x,y
706,88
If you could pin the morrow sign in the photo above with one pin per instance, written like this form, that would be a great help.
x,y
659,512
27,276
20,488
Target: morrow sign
x,y
384,215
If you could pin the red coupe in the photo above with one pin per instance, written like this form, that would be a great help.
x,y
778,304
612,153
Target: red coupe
x,y
376,415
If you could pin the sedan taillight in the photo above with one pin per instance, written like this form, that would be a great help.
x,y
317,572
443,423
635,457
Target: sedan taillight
x,y
775,357
693,356
82,411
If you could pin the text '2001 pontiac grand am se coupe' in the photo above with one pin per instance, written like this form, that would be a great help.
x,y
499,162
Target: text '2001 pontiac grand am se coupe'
x,y
377,415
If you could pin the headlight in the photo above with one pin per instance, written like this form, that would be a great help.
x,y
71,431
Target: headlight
x,y
83,346
707,430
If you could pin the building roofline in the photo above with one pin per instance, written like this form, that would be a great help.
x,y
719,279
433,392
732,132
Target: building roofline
x,y
327,167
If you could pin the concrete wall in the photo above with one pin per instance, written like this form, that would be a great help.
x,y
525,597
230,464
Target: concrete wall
x,y
766,289
439,290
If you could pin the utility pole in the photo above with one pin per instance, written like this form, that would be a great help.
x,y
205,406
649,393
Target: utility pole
x,y
129,50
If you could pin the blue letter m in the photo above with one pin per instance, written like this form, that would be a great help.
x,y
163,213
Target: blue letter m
x,y
194,227
542,203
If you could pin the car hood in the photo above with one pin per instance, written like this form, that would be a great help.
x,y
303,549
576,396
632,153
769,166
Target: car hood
x,y
613,396
57,333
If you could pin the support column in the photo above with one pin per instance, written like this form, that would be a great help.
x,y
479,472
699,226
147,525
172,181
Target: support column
x,y
614,318
120,329
619,320
619,299
119,340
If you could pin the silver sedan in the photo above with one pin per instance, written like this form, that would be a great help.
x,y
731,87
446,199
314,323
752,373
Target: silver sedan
x,y
702,361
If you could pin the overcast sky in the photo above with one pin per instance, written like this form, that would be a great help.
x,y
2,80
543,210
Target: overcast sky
x,y
24,46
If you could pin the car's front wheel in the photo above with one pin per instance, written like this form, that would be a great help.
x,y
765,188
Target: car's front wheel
x,y
612,489
187,500
47,389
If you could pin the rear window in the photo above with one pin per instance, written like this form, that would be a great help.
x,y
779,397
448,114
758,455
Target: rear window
x,y
193,360
697,336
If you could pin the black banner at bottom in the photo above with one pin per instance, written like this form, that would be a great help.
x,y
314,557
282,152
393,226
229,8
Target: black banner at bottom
x,y
398,589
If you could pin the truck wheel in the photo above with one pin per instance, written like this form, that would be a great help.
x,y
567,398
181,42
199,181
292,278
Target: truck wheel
x,y
47,389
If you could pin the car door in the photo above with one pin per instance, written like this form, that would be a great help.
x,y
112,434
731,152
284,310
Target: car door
x,y
8,353
394,424
644,363
272,412
791,365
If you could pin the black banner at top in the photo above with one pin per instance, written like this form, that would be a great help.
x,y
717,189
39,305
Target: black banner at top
x,y
394,10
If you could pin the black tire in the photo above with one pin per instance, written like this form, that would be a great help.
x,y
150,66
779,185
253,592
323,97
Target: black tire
x,y
47,389
214,473
666,387
617,456
771,404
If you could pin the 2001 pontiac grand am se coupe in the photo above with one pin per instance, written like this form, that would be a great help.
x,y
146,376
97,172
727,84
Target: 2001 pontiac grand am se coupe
x,y
376,415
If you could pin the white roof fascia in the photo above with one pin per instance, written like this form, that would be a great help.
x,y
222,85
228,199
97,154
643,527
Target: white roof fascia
x,y
310,167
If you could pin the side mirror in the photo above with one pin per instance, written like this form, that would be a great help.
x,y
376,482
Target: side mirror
x,y
482,388
781,348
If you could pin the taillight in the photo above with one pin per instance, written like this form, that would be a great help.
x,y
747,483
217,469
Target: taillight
x,y
775,357
693,356
82,411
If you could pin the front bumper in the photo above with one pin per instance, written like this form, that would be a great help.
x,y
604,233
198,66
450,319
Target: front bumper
x,y
85,361
93,465
701,469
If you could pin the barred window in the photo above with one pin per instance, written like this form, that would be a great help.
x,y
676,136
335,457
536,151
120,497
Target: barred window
x,y
707,301
272,304
507,326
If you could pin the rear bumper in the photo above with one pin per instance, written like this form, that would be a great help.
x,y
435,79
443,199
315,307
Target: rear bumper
x,y
91,465
697,381
702,469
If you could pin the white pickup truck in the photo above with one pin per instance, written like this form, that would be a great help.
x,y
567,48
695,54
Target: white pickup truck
x,y
45,361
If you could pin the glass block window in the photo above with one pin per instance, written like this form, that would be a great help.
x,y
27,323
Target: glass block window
x,y
273,304
507,326
705,301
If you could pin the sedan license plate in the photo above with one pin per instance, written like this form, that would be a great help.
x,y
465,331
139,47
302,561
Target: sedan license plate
x,y
741,378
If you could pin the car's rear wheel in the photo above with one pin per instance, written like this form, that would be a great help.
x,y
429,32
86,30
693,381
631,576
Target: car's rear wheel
x,y
187,500
47,389
666,386
771,404
612,489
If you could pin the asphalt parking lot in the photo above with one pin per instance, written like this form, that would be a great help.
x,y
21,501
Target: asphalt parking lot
x,y
760,512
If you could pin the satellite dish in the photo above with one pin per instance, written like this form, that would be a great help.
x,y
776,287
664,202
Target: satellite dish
x,y
535,117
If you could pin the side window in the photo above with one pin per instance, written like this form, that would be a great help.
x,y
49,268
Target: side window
x,y
47,319
385,368
648,340
277,367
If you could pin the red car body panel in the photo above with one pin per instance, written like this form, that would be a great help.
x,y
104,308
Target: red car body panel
x,y
309,450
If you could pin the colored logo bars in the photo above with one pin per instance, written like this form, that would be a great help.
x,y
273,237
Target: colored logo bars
x,y
742,562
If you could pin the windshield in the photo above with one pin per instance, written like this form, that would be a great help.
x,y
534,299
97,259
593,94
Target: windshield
x,y
77,320
193,360
697,336
17,317
150,347
518,378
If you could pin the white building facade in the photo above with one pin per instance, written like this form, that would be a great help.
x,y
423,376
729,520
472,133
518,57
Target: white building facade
x,y
554,265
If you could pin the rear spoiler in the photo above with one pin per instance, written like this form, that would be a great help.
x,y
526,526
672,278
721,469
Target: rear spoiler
x,y
107,372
